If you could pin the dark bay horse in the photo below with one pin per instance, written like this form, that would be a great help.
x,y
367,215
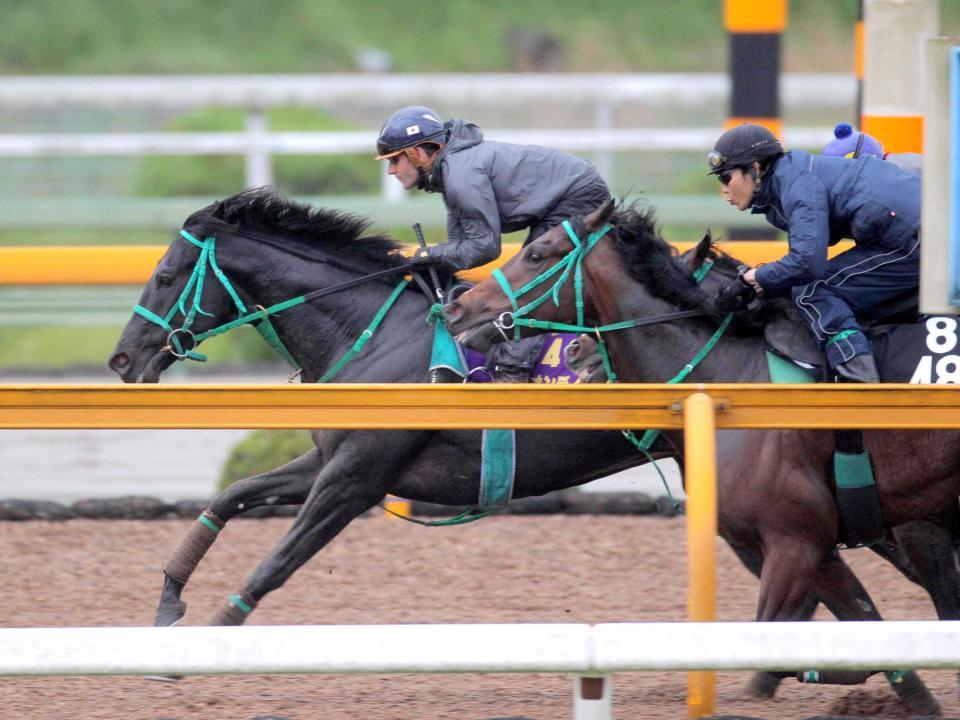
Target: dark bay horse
x,y
272,249
774,492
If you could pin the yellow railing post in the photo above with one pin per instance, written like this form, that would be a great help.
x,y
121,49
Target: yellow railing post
x,y
700,460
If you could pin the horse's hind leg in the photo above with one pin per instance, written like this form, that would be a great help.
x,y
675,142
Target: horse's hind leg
x,y
287,485
841,591
764,684
932,555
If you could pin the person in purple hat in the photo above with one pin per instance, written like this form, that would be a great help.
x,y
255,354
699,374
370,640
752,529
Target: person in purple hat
x,y
818,200
849,144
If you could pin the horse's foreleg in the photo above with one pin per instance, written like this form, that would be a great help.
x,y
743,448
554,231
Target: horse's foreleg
x,y
359,476
286,485
319,521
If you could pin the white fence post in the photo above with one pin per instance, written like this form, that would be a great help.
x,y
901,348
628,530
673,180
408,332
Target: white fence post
x,y
259,167
592,697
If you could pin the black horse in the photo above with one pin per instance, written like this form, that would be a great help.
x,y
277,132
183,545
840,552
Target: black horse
x,y
272,249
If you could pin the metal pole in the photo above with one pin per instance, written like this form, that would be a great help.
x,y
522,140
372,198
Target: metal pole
x,y
258,165
592,697
893,70
755,31
941,203
700,452
603,122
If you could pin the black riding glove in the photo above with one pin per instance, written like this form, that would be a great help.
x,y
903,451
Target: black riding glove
x,y
422,258
737,295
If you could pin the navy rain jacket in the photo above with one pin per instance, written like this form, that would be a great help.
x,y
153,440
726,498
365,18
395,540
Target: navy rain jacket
x,y
820,200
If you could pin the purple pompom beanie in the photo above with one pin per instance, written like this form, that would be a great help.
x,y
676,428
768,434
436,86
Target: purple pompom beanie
x,y
845,142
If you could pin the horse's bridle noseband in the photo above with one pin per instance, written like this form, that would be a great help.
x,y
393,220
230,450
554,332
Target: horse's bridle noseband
x,y
207,260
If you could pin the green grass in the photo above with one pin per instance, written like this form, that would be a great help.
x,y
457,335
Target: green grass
x,y
247,36
63,347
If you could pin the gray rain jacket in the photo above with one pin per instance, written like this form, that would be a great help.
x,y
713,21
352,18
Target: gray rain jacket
x,y
492,187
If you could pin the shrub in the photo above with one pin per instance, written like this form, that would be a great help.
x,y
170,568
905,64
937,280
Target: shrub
x,y
263,450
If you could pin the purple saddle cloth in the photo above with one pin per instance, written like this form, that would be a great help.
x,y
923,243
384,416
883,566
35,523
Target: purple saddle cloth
x,y
550,366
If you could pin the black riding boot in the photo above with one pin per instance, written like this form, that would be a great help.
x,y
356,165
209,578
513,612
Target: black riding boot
x,y
858,369
444,375
512,361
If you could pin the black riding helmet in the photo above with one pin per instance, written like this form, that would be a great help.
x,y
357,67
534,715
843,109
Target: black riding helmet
x,y
741,146
408,127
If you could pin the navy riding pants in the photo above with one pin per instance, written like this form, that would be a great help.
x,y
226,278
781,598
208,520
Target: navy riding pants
x,y
856,283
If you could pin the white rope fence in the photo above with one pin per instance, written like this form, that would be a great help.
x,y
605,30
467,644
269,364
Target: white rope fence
x,y
590,652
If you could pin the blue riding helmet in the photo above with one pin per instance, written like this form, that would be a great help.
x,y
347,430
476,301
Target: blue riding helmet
x,y
848,144
740,146
408,127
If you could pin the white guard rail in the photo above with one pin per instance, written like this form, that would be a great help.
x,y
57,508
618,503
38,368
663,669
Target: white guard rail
x,y
262,91
343,143
590,652
506,648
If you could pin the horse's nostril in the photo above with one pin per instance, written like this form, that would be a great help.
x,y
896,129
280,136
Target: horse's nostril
x,y
119,361
451,311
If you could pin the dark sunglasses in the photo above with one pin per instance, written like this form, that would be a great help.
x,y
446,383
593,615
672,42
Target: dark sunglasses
x,y
725,177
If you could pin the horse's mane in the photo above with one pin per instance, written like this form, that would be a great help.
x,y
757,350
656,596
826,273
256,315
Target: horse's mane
x,y
656,264
653,262
298,227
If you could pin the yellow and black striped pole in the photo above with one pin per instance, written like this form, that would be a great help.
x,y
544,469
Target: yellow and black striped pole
x,y
755,28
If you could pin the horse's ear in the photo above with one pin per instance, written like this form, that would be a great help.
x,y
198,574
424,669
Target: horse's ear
x,y
600,216
701,252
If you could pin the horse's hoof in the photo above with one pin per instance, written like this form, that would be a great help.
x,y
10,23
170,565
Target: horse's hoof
x,y
763,685
170,614
915,695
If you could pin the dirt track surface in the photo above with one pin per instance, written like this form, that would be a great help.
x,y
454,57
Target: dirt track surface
x,y
508,569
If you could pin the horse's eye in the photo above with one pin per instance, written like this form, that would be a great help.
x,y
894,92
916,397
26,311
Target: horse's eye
x,y
164,280
534,257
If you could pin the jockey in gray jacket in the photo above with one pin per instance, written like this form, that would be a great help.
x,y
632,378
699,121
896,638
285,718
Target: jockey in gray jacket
x,y
489,188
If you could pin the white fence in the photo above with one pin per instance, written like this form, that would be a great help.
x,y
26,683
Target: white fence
x,y
599,94
588,651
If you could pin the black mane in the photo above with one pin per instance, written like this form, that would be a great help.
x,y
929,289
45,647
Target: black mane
x,y
653,262
306,231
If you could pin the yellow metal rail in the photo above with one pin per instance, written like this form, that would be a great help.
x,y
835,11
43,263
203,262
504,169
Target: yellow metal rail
x,y
699,409
473,406
123,265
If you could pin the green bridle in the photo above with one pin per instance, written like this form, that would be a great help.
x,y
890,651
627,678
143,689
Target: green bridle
x,y
573,261
193,293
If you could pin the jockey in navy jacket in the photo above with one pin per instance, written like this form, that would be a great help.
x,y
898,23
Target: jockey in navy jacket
x,y
818,201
